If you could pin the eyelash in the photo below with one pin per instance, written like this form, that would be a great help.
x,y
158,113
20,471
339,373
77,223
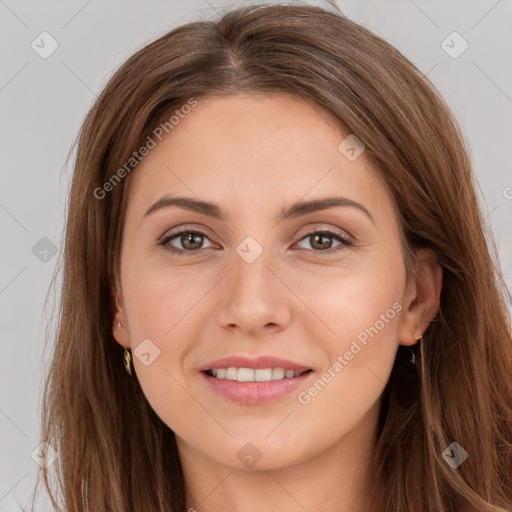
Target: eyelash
x,y
334,234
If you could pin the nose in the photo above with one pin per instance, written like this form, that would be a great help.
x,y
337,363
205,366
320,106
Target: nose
x,y
255,297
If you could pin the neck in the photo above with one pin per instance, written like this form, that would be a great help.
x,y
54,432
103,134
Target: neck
x,y
331,481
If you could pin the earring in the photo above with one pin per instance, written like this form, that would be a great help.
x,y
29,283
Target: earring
x,y
413,350
127,361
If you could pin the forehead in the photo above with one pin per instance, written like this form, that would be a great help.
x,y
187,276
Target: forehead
x,y
248,150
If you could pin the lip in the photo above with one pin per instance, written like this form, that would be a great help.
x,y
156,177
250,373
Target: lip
x,y
259,362
255,393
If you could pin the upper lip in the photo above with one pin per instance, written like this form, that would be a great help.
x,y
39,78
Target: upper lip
x,y
260,362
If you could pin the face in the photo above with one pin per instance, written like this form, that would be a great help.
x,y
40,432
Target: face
x,y
259,278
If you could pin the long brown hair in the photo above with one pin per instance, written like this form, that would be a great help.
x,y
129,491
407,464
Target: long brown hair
x,y
114,452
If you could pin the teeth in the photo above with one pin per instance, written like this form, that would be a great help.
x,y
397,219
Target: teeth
x,y
231,373
250,375
278,373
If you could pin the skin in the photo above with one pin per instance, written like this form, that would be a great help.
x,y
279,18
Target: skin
x,y
254,155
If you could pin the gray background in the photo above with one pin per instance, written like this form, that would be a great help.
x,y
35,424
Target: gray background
x,y
43,102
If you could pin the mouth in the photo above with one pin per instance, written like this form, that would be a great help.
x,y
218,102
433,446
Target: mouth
x,y
254,374
255,386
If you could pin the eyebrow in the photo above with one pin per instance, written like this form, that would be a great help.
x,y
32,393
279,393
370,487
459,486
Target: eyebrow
x,y
295,210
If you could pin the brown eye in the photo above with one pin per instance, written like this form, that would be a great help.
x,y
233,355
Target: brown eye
x,y
322,240
190,241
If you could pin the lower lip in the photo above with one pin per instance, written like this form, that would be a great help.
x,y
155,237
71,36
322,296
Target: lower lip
x,y
255,393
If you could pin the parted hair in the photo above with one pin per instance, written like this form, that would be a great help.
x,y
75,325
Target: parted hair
x,y
114,453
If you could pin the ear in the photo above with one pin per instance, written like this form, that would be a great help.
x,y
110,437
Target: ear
x,y
422,298
120,325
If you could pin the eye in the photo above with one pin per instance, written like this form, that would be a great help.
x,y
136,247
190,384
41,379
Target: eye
x,y
190,241
319,240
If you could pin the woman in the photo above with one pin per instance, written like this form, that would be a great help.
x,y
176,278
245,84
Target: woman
x,y
273,223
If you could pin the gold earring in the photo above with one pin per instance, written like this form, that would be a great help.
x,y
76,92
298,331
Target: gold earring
x,y
127,361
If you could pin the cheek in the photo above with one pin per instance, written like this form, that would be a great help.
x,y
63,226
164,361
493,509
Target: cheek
x,y
365,321
160,301
347,300
359,315
165,306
